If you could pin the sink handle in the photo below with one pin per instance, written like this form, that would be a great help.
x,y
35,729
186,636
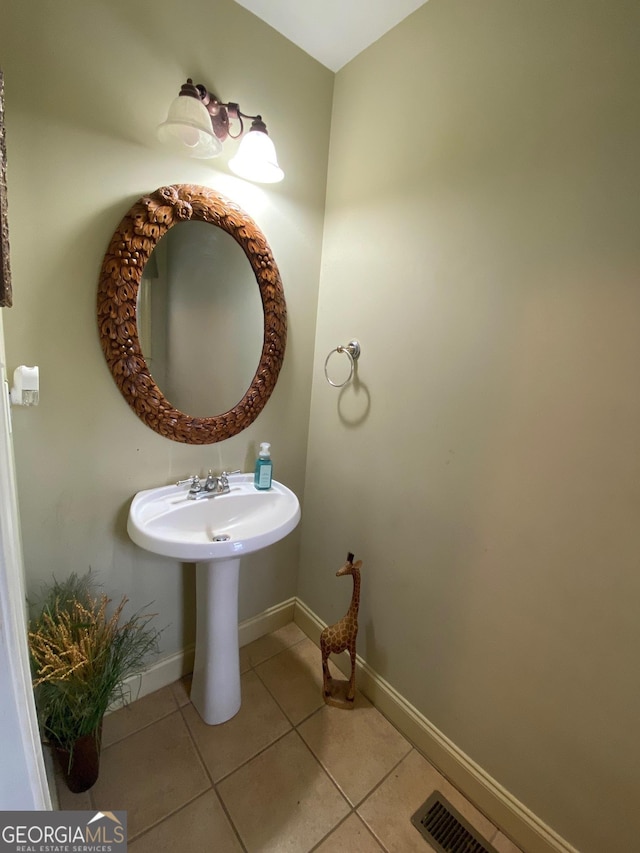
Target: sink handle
x,y
223,479
193,480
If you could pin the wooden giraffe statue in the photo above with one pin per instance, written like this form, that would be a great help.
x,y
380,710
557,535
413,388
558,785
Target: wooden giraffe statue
x,y
340,637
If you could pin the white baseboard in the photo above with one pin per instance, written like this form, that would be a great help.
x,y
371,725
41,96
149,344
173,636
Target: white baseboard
x,y
160,675
501,807
266,622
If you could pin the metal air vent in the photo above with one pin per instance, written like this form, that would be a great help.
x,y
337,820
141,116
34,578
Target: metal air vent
x,y
446,830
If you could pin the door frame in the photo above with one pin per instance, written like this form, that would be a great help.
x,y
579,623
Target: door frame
x,y
25,785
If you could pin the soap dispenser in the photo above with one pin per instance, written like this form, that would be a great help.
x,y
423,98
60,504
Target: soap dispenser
x,y
264,467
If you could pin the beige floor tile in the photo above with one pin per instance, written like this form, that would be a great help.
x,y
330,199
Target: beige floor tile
x,y
201,825
357,748
150,774
137,715
181,690
256,725
282,800
269,645
275,783
352,835
388,810
294,676
245,662
504,845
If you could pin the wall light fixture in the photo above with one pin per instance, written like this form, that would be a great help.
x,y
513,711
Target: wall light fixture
x,y
198,123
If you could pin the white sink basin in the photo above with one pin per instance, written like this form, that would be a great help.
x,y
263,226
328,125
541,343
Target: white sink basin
x,y
165,521
214,533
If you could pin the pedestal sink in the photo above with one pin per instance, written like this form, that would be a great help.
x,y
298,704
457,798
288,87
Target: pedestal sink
x,y
215,533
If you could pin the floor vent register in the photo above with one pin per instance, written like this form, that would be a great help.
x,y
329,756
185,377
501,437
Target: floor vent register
x,y
446,830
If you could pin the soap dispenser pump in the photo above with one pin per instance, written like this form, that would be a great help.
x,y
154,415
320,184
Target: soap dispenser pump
x,y
264,467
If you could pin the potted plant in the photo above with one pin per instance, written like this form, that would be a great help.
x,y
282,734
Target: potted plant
x,y
81,656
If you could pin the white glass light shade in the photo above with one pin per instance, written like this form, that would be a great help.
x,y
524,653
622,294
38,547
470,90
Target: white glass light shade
x,y
188,129
256,159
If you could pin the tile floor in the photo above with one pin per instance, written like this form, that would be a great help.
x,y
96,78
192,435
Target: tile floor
x,y
287,773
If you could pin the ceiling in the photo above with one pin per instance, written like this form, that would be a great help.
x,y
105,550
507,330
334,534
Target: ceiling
x,y
332,31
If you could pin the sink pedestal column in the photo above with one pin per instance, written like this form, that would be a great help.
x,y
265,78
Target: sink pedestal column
x,y
215,691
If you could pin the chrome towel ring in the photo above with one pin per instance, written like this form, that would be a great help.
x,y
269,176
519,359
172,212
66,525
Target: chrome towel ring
x,y
352,351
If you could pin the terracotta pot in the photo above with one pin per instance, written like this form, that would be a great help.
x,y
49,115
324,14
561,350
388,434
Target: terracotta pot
x,y
81,765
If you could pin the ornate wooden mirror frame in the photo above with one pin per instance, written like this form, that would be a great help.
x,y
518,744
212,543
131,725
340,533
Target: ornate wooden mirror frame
x,y
129,250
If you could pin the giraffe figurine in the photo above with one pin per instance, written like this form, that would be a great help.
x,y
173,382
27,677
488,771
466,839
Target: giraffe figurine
x,y
340,637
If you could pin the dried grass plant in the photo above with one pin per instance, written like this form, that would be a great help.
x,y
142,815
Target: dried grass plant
x,y
81,655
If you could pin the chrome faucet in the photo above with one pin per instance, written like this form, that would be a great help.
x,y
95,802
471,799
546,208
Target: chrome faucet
x,y
212,485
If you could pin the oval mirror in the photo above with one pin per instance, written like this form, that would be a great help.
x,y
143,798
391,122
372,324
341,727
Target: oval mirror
x,y
200,318
223,372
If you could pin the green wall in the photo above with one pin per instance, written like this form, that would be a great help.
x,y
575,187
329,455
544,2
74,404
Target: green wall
x,y
86,84
481,241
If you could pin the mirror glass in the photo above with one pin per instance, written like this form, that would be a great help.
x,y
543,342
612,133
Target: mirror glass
x,y
200,318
